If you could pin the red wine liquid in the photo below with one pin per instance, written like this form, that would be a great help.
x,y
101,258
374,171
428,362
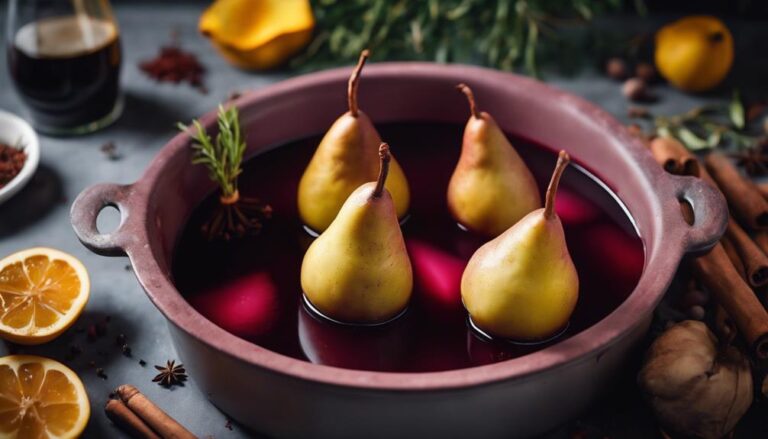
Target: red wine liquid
x,y
67,69
251,287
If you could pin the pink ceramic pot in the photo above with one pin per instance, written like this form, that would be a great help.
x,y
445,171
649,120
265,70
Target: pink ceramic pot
x,y
282,396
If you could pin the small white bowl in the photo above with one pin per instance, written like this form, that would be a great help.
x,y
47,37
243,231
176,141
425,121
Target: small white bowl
x,y
15,131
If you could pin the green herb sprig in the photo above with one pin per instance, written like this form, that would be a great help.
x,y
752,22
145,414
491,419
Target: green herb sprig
x,y
237,215
504,34
223,157
722,126
706,126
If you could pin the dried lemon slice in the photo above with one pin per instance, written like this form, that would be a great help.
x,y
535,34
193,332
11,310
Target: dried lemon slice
x,y
40,398
42,293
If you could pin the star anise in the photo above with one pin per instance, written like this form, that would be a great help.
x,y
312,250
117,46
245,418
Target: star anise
x,y
753,160
170,374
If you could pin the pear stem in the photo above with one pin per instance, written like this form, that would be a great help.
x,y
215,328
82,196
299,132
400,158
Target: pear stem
x,y
385,157
464,88
549,205
354,80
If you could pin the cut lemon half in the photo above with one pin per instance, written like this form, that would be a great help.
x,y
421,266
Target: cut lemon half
x,y
40,398
42,293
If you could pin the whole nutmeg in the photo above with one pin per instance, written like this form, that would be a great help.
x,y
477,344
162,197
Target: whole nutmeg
x,y
696,387
645,71
635,89
616,68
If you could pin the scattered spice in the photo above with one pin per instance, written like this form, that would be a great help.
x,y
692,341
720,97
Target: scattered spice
x,y
126,350
171,374
173,64
228,425
753,160
638,112
142,363
646,72
74,351
127,267
635,89
100,373
234,95
110,151
616,69
11,161
92,334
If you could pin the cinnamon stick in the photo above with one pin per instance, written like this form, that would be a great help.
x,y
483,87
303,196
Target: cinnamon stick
x,y
717,273
152,415
753,259
746,201
733,255
761,239
763,189
674,157
667,157
121,415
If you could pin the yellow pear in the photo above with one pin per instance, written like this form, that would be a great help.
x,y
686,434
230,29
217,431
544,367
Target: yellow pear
x,y
346,158
523,285
491,187
358,270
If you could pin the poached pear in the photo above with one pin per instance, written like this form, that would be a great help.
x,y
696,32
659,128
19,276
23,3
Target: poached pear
x,y
346,158
358,269
523,285
491,187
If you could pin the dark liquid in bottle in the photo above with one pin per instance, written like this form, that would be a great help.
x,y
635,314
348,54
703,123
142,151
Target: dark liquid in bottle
x,y
66,70
251,287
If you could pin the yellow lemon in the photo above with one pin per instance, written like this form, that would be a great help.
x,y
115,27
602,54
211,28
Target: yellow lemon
x,y
258,34
42,293
694,53
40,398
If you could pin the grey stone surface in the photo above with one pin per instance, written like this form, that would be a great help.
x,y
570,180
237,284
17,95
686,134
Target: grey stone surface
x,y
39,216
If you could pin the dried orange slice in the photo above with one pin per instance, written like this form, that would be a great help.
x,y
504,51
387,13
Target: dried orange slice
x,y
42,293
40,398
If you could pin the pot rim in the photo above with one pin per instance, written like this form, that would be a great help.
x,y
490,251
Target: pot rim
x,y
655,278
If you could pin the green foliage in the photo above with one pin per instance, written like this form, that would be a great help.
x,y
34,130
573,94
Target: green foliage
x,y
506,34
224,157
708,126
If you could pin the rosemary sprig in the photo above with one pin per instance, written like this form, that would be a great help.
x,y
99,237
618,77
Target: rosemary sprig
x,y
505,34
236,215
224,157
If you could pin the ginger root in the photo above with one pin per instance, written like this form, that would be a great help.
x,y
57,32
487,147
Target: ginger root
x,y
695,386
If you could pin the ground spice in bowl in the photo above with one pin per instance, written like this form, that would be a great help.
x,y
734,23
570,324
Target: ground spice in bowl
x,y
11,161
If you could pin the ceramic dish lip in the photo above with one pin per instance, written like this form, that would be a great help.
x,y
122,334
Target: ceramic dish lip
x,y
585,345
16,131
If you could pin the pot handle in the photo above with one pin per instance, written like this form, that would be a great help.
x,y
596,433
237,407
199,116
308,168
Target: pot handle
x,y
85,210
710,212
